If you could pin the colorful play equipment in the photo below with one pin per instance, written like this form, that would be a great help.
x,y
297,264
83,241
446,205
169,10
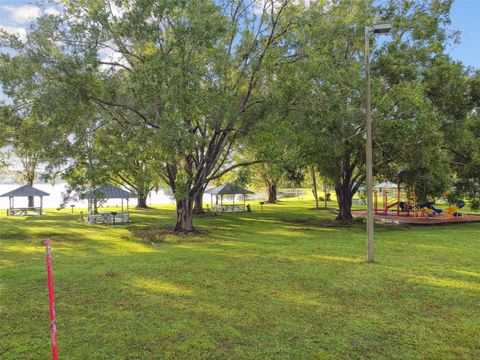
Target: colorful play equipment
x,y
403,204
395,201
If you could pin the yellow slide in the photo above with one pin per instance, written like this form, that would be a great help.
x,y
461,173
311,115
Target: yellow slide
x,y
451,210
391,203
427,211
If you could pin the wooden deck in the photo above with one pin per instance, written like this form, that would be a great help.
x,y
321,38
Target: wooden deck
x,y
440,219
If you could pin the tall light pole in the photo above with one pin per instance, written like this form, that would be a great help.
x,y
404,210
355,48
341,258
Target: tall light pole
x,y
375,29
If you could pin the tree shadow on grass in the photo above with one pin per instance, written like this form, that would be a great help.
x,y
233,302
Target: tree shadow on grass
x,y
255,298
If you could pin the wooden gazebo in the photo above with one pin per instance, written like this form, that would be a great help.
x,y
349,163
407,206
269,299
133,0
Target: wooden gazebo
x,y
228,189
25,191
104,193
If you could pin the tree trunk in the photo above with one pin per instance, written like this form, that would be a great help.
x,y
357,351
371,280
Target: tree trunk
x,y
344,199
184,216
31,199
272,193
142,202
315,194
198,202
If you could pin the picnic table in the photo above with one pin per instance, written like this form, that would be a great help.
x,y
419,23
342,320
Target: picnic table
x,y
24,211
109,218
225,208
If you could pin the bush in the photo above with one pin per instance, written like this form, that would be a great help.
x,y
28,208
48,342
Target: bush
x,y
152,236
452,198
475,204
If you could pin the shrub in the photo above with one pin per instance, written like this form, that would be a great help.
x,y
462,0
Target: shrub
x,y
475,204
151,236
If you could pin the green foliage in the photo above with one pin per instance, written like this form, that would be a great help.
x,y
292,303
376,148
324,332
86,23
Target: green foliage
x,y
185,72
323,89
475,204
464,143
183,92
411,142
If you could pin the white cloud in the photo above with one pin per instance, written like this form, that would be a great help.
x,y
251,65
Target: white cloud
x,y
52,11
15,30
22,14
117,11
261,6
107,54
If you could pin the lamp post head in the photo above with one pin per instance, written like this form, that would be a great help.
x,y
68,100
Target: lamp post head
x,y
380,28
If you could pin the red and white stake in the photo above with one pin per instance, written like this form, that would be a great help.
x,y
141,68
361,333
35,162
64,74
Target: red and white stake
x,y
53,324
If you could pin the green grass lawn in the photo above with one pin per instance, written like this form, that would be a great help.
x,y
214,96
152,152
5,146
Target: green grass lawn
x,y
282,283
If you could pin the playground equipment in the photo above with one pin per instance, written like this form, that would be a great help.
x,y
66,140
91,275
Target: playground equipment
x,y
428,208
405,206
453,210
392,204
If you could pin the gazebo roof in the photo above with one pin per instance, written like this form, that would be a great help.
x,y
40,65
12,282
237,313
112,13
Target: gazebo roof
x,y
25,190
108,192
228,189
386,185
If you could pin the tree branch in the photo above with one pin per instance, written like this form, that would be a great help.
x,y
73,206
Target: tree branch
x,y
246,163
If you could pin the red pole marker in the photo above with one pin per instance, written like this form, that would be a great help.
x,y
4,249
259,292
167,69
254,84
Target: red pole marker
x,y
53,324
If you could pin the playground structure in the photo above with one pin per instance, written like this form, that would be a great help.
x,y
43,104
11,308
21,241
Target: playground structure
x,y
400,206
410,207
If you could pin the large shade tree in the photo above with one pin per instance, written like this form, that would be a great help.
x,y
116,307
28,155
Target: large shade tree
x,y
129,161
465,146
327,90
186,70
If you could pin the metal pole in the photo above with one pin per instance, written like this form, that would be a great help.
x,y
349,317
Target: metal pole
x,y
53,324
398,199
385,202
369,157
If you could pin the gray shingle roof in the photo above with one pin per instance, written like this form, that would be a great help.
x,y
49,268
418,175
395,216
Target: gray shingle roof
x,y
228,189
108,192
25,190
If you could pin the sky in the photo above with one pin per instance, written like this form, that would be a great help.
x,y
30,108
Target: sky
x,y
16,14
465,17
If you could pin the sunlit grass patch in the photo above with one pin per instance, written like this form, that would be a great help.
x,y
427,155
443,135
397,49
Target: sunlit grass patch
x,y
282,283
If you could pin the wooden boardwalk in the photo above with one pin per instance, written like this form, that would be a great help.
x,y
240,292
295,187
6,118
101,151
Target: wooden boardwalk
x,y
440,219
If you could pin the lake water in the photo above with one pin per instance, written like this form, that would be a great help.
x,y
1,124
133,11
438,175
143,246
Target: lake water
x,y
163,196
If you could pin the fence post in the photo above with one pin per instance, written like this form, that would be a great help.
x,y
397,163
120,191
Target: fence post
x,y
53,324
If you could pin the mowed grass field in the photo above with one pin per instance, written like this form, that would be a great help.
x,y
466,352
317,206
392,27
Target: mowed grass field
x,y
282,283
